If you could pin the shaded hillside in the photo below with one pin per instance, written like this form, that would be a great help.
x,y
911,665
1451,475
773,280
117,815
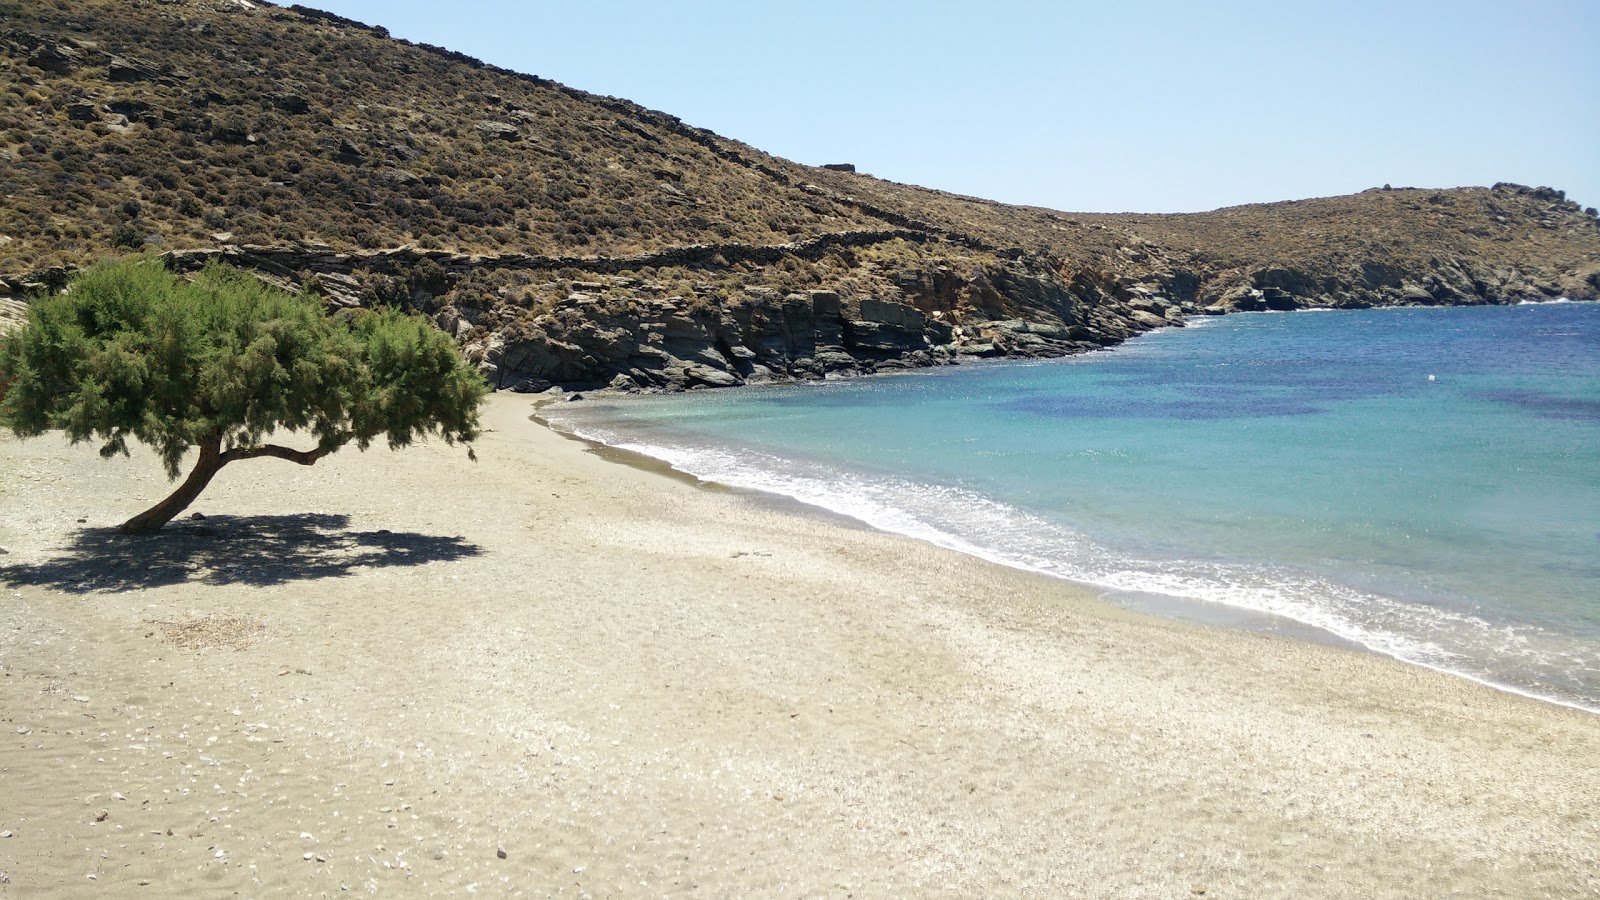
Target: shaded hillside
x,y
571,238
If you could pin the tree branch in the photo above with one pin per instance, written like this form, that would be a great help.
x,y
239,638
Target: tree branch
x,y
303,457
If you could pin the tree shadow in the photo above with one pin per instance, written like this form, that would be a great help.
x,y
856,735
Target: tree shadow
x,y
223,550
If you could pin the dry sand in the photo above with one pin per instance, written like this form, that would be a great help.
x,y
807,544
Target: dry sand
x,y
634,686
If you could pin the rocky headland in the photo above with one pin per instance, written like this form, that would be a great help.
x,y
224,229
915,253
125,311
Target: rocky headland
x,y
584,241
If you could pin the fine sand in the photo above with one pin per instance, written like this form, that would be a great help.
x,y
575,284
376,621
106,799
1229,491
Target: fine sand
x,y
549,674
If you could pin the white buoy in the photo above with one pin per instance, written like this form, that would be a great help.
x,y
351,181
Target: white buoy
x,y
1430,377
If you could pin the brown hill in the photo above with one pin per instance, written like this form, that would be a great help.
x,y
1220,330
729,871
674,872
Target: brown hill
x,y
581,239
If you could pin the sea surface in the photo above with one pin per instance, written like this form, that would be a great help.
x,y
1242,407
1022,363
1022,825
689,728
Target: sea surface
x,y
1422,482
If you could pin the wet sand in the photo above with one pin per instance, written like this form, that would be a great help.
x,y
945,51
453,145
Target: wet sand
x,y
549,674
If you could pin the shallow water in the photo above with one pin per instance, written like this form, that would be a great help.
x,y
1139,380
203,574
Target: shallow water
x,y
1423,482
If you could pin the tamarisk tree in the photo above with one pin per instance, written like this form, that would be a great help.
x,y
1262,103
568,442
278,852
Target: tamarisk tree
x,y
220,364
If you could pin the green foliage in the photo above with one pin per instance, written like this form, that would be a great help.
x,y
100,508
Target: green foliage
x,y
133,351
126,235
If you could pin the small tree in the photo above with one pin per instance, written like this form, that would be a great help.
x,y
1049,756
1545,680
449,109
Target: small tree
x,y
220,363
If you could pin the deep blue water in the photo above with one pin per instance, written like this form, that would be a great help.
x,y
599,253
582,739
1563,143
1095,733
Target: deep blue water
x,y
1300,465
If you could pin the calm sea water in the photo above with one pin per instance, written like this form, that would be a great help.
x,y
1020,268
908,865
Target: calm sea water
x,y
1423,482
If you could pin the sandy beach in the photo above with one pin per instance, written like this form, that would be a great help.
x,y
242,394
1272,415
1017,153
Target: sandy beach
x,y
547,673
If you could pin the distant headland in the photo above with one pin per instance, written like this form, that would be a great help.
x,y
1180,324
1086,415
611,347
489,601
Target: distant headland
x,y
574,239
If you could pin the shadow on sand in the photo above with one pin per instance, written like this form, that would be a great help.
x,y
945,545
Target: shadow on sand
x,y
223,550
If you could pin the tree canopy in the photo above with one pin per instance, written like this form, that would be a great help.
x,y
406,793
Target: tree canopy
x,y
221,363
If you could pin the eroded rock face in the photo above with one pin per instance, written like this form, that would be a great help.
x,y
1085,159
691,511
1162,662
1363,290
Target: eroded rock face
x,y
714,316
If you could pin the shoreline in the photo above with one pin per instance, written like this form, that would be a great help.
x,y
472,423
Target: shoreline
x,y
1163,606
1191,610
630,685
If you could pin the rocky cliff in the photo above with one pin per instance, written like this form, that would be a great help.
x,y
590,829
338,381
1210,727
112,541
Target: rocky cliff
x,y
582,240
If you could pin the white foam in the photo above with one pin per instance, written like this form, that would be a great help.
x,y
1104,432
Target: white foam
x,y
967,522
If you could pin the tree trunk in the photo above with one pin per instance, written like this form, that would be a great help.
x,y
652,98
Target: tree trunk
x,y
211,460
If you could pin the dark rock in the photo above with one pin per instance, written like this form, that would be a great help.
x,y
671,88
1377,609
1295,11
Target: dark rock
x,y
835,359
291,103
83,112
130,108
1278,299
56,59
883,337
349,153
840,167
528,386
130,70
824,304
499,131
898,315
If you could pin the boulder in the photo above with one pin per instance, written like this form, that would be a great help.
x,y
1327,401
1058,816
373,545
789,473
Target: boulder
x,y
294,104
57,59
710,377
1146,320
527,386
1279,299
499,131
349,153
131,70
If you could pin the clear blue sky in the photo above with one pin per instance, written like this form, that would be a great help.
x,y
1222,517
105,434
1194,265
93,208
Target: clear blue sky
x,y
1113,105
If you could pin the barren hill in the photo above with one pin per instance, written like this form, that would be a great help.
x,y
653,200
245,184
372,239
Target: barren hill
x,y
572,238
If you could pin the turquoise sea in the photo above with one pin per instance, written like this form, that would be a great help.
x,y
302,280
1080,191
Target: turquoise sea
x,y
1421,482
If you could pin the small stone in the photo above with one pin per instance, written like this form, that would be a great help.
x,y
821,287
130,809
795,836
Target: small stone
x,y
81,698
500,852
197,516
306,856
305,835
100,815
1197,889
218,855
321,858
117,795
5,834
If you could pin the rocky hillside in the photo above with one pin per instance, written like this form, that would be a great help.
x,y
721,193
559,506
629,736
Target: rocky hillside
x,y
577,239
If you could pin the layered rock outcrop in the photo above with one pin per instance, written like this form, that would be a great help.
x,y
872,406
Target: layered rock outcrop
x,y
572,239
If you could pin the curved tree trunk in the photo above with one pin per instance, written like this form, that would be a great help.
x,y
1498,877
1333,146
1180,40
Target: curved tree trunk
x,y
211,460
